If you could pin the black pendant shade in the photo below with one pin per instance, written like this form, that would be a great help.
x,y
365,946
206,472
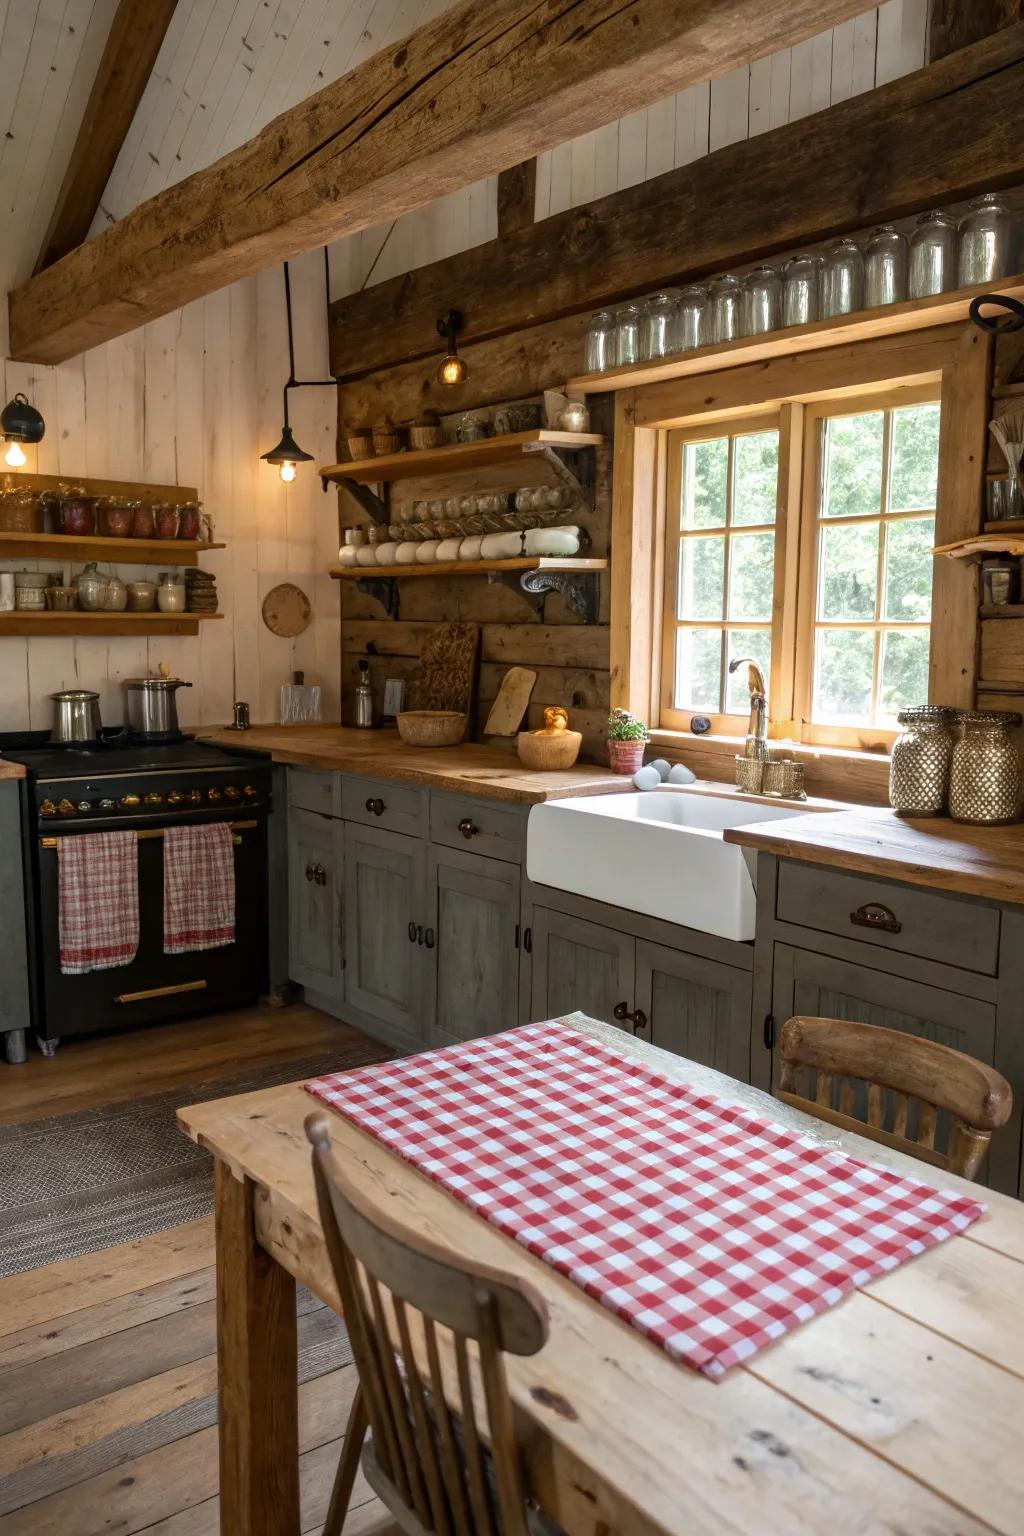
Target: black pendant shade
x,y
288,453
287,450
20,422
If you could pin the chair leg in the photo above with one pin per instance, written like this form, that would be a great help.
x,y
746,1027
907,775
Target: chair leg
x,y
348,1466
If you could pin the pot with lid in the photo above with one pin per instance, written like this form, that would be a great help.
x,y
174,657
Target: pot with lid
x,y
152,705
76,715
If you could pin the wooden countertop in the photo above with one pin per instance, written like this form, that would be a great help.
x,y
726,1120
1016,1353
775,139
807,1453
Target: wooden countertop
x,y
10,770
470,769
935,852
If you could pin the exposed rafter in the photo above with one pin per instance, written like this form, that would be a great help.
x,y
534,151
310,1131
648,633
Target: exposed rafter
x,y
478,89
955,24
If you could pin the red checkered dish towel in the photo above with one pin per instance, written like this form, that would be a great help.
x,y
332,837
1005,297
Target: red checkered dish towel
x,y
708,1228
97,901
199,887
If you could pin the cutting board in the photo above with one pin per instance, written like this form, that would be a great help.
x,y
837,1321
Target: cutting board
x,y
446,675
509,707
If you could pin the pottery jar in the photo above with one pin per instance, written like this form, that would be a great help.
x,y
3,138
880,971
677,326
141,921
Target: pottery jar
x,y
115,599
91,586
170,593
30,590
141,596
985,780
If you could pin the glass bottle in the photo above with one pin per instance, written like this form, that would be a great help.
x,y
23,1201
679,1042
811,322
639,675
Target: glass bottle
x,y
934,244
885,267
364,696
844,279
724,295
985,232
691,318
627,335
656,335
985,772
919,765
762,301
599,350
801,290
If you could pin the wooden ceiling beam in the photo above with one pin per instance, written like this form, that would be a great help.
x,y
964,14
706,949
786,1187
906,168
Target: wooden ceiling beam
x,y
136,34
517,195
954,24
946,132
480,88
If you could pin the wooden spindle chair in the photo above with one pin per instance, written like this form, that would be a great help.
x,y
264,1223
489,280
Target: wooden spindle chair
x,y
902,1073
453,1474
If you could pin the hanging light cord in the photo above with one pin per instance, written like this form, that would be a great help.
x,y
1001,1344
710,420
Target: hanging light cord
x,y
293,382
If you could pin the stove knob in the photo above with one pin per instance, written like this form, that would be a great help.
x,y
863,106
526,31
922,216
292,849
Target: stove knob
x,y
213,795
154,797
108,805
65,808
195,796
47,808
130,802
250,791
175,797
84,806
232,792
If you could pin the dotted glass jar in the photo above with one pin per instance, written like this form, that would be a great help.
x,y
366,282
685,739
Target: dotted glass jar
x,y
920,761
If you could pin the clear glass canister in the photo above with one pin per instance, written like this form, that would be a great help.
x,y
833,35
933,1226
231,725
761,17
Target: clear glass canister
x,y
691,318
599,351
801,290
627,335
985,781
886,257
844,279
724,296
657,332
920,761
762,301
985,234
934,244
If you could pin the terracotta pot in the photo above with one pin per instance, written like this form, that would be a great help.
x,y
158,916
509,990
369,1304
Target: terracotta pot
x,y
626,757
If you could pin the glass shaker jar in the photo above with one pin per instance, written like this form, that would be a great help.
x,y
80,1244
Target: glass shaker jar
x,y
656,335
885,267
801,290
724,295
985,232
844,279
599,349
985,778
934,243
627,335
762,301
919,765
691,318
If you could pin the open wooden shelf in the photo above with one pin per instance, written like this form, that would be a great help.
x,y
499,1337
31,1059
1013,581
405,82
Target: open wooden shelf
x,y
981,544
77,622
64,546
467,568
431,461
1006,525
866,324
530,576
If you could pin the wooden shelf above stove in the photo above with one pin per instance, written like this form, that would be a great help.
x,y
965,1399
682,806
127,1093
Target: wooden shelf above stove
x,y
27,622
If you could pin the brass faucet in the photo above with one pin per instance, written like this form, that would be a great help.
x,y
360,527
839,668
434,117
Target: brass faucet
x,y
756,744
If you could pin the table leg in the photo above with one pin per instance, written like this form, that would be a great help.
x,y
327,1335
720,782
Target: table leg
x,y
257,1374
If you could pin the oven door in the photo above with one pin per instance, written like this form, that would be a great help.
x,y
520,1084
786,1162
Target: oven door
x,y
155,985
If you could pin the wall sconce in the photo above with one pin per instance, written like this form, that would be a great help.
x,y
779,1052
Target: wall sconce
x,y
20,423
453,369
287,453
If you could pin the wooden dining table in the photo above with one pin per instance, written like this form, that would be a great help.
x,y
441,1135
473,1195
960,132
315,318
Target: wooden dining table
x,y
897,1411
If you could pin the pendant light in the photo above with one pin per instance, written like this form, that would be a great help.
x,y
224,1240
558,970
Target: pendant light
x,y
20,423
453,368
287,454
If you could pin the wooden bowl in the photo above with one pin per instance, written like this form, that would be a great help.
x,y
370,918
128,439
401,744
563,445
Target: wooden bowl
x,y
549,754
431,727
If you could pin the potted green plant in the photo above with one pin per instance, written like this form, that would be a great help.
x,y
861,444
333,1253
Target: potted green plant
x,y
627,738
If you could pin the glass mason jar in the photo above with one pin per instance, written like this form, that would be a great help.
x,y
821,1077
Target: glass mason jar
x,y
762,301
627,335
885,267
691,319
985,780
844,279
599,349
724,295
934,244
985,235
656,333
801,290
919,765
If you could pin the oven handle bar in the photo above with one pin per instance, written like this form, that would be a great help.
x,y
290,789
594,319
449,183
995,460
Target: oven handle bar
x,y
147,832
142,997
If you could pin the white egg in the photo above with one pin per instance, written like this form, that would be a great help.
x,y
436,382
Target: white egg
x,y
680,774
664,768
647,778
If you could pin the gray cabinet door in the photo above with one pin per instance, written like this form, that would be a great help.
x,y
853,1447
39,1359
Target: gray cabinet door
x,y
385,902
474,929
694,1007
578,964
315,864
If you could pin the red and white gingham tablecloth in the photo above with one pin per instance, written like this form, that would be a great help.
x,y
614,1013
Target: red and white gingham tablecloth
x,y
710,1229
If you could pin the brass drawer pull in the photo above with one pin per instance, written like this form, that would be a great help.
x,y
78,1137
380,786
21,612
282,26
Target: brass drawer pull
x,y
874,915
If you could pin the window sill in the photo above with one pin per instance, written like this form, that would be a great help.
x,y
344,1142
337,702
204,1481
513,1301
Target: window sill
x,y
835,773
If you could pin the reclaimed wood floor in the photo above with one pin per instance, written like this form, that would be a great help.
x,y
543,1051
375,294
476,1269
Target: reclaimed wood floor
x,y
108,1361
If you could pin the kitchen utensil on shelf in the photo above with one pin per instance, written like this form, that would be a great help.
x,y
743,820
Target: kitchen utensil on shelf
x,y
152,704
801,290
142,522
1008,431
472,429
30,590
165,522
188,521
426,431
116,521
21,510
364,697
6,591
986,232
506,713
431,727
724,297
599,347
115,598
920,761
360,443
627,335
844,279
300,701
76,716
141,596
691,321
91,585
985,780
934,249
60,599
657,337
762,301
575,417
522,417
170,593
76,514
241,721
1000,581
552,749
1003,497
387,438
886,257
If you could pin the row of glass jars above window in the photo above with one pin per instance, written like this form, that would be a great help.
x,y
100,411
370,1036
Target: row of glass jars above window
x,y
941,254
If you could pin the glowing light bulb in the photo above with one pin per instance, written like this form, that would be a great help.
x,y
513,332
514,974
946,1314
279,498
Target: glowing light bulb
x,y
15,456
453,369
287,472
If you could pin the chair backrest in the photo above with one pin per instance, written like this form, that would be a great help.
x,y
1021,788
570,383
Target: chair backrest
x,y
908,1081
397,1290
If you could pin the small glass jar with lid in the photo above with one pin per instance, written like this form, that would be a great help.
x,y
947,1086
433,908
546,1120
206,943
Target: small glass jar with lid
x,y
801,290
724,306
920,761
844,279
691,327
762,301
599,349
985,780
657,331
985,236
885,267
627,335
934,244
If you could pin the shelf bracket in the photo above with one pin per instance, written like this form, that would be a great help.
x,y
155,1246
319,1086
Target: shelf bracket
x,y
377,508
384,589
574,468
579,588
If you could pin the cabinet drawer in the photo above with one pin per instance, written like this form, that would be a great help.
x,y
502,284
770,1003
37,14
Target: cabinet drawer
x,y
478,825
911,920
383,803
310,790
